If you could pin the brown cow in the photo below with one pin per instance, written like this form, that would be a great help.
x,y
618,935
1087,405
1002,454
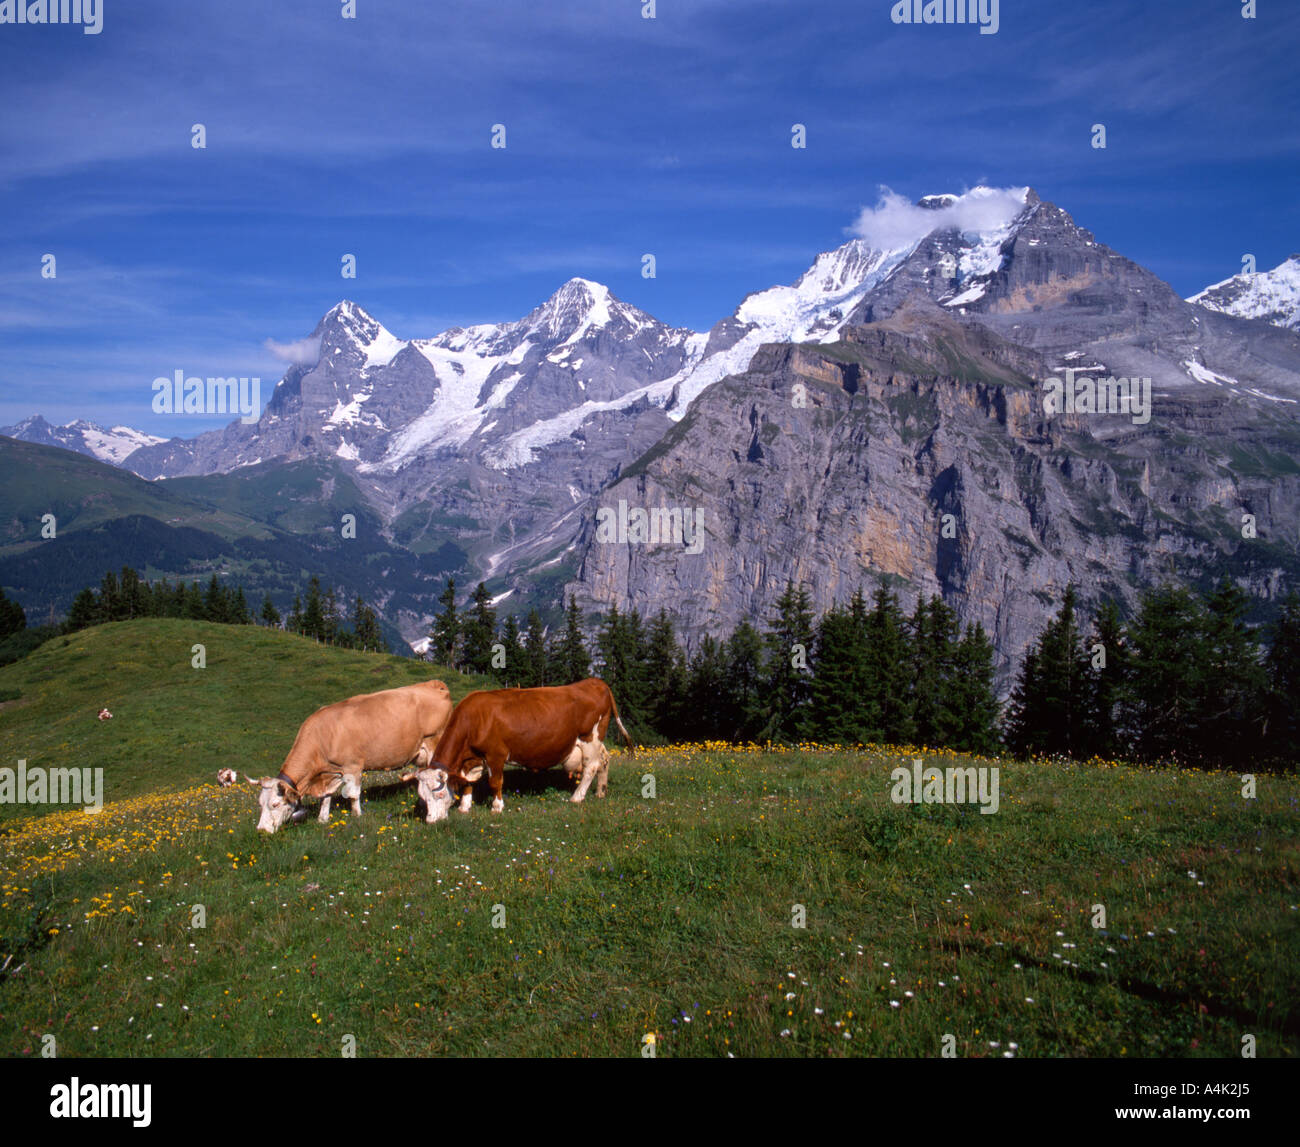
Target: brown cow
x,y
536,728
339,742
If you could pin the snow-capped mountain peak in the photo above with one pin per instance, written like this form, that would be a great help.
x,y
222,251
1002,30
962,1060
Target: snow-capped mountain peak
x,y
348,331
567,315
827,296
1273,296
107,445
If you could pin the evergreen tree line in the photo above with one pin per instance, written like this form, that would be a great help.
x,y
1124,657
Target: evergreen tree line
x,y
128,595
471,641
858,674
13,617
322,618
1185,681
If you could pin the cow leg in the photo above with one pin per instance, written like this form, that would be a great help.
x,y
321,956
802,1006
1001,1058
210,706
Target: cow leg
x,y
496,779
590,767
351,790
602,777
324,817
591,763
467,787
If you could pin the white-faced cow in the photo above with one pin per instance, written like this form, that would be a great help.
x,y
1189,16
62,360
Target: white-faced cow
x,y
339,742
537,728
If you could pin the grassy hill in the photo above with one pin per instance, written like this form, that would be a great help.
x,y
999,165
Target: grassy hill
x,y
173,725
167,926
82,493
266,528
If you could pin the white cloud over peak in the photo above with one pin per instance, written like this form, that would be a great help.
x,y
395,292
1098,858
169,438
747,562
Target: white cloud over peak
x,y
896,222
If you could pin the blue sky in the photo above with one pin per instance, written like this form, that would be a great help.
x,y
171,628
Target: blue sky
x,y
624,136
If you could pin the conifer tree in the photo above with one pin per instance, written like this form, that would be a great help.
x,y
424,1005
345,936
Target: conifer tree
x,y
744,709
313,614
1049,708
887,672
1164,690
365,627
330,619
789,644
838,706
665,673
1232,679
445,637
479,629
974,699
575,661
270,615
707,687
1106,681
515,657
194,606
84,611
12,617
1282,704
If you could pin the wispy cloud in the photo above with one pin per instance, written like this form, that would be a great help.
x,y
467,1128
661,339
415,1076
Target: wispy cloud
x,y
896,222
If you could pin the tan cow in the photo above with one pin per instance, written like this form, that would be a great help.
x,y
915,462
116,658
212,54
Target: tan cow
x,y
339,742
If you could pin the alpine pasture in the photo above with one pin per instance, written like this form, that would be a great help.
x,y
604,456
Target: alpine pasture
x,y
661,919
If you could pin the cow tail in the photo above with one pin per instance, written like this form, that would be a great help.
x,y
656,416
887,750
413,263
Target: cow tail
x,y
619,722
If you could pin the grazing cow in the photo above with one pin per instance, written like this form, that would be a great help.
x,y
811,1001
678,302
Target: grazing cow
x,y
339,742
536,728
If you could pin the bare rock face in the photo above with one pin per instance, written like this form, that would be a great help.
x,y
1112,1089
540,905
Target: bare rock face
x,y
917,453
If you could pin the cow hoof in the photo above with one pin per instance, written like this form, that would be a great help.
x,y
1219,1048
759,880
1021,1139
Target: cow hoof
x,y
498,806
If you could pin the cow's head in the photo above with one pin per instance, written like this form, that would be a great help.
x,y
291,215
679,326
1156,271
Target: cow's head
x,y
278,801
435,790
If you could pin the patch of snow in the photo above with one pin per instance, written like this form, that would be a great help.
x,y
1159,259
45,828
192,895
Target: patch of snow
x,y
382,349
968,296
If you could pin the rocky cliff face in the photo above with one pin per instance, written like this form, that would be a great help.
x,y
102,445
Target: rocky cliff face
x,y
840,465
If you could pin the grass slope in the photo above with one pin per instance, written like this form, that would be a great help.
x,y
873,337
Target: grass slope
x,y
82,492
173,725
667,915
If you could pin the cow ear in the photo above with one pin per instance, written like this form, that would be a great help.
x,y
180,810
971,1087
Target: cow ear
x,y
435,777
252,780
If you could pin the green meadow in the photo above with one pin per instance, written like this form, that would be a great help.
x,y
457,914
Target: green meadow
x,y
722,900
